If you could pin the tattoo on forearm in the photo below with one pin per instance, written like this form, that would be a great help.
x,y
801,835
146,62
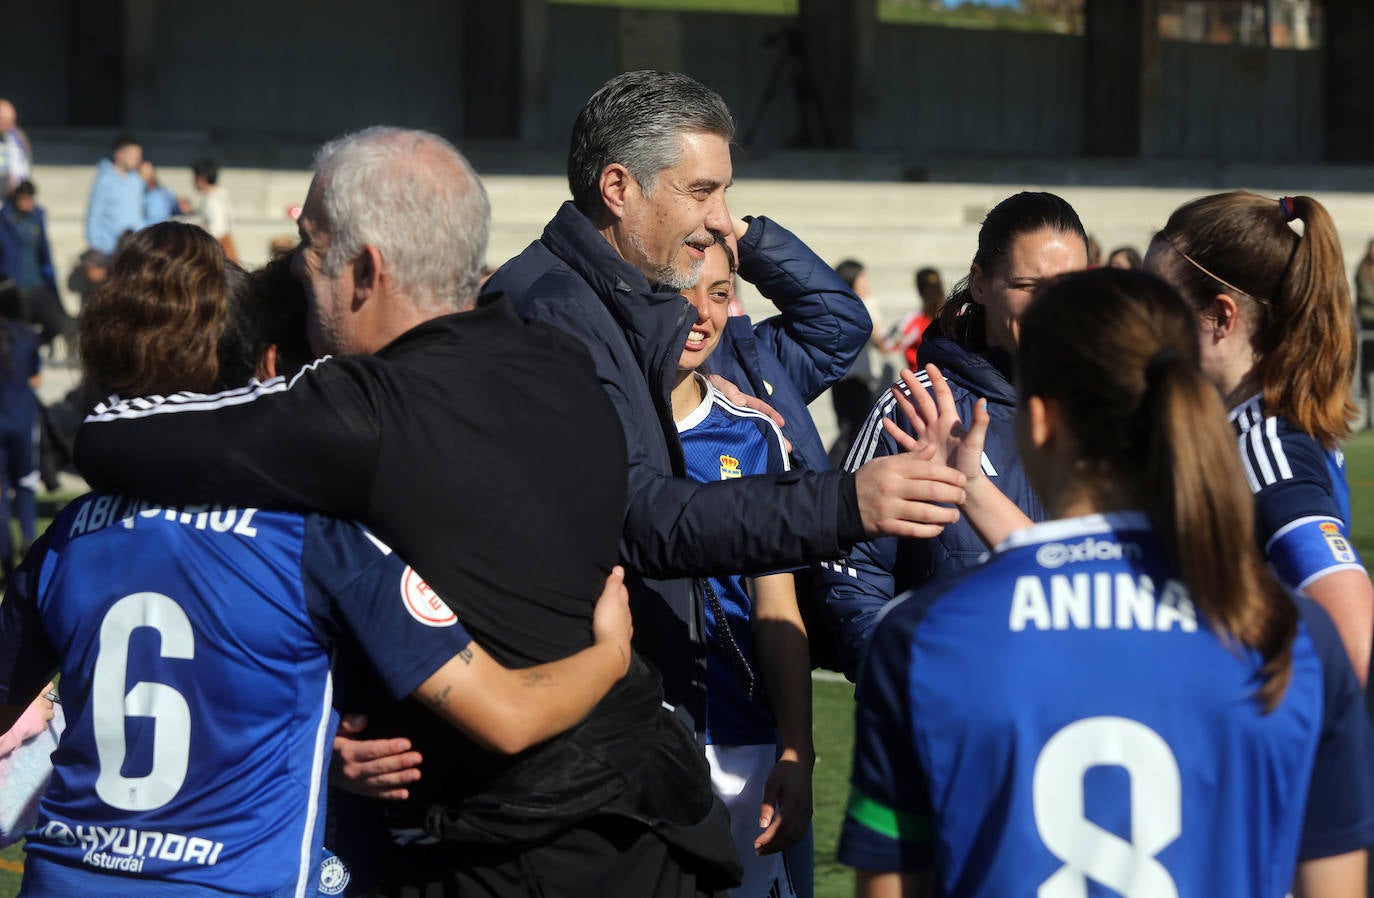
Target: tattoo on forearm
x,y
534,678
466,654
440,700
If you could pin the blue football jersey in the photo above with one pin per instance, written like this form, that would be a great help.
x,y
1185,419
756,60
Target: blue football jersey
x,y
1062,721
1302,499
195,646
722,441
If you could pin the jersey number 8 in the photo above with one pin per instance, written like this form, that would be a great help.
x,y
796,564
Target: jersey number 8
x,y
1087,850
111,704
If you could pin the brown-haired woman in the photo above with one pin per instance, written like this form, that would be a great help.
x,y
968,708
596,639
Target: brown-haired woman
x,y
1159,715
223,626
1278,341
154,325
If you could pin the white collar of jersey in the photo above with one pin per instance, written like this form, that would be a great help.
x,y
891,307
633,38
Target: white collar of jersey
x,y
1071,528
1253,402
698,414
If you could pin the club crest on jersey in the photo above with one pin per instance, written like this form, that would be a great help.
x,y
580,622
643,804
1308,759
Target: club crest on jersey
x,y
334,876
424,603
1340,547
729,467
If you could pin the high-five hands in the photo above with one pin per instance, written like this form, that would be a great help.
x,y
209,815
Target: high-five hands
x,y
943,437
912,494
938,425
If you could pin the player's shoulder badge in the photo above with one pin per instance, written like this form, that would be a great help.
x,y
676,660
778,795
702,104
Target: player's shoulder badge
x,y
729,467
423,602
334,876
1340,547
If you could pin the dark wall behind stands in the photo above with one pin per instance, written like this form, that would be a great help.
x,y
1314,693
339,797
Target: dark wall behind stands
x,y
518,70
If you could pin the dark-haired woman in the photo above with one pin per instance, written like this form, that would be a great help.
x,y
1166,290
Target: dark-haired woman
x,y
1161,716
1277,340
1124,257
1025,241
19,375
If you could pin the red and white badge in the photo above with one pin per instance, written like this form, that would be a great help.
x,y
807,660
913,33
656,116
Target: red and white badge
x,y
424,603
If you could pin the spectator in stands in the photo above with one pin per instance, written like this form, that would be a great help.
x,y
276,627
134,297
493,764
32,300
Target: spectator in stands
x,y
1364,311
19,376
1364,288
16,154
92,267
281,246
24,252
1124,257
215,214
26,257
1094,252
116,203
930,297
159,202
853,393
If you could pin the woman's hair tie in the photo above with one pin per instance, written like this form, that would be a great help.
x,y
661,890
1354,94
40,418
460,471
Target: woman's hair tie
x,y
1159,363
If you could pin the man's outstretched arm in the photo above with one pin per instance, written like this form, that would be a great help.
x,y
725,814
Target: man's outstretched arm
x,y
305,444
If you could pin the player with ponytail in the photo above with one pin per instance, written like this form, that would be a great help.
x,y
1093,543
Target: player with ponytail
x,y
1125,694
1278,340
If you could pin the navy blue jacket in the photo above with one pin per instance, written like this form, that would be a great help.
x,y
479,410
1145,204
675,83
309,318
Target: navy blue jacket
x,y
793,357
675,529
859,585
9,245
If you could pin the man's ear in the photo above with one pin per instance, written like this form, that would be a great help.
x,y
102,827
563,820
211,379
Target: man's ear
x,y
1044,418
367,273
267,365
616,183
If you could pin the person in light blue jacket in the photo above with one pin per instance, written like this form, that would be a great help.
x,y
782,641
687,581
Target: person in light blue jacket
x,y
116,204
159,202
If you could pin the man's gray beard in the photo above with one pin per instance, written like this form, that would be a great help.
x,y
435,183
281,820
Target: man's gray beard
x,y
668,276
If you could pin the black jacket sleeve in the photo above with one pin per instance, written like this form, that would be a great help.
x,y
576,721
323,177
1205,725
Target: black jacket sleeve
x,y
307,444
675,527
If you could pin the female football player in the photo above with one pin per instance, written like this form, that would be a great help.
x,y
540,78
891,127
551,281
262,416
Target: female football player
x,y
1278,340
758,670
1025,241
1125,695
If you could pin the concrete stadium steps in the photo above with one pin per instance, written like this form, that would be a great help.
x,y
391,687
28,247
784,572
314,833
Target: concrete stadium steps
x,y
893,227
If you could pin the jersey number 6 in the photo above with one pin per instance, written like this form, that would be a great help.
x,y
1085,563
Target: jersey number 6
x,y
1087,850
167,707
